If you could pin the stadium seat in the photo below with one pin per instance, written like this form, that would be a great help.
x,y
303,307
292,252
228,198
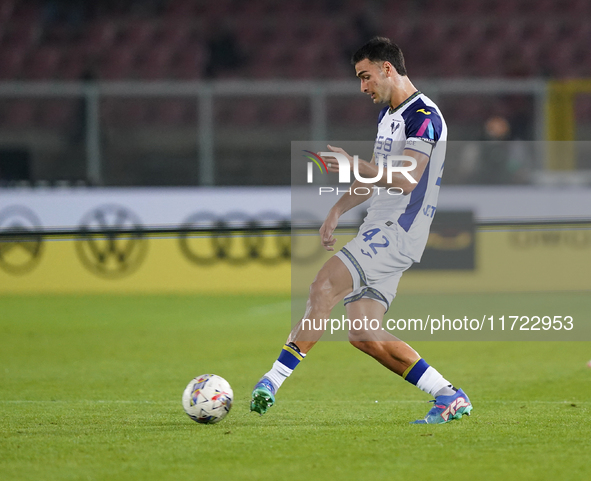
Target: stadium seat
x,y
22,34
579,31
176,34
76,62
189,62
155,63
118,63
137,34
27,12
503,32
486,60
298,39
12,61
44,63
560,58
469,34
577,8
471,8
6,10
394,10
99,36
181,9
452,61
505,8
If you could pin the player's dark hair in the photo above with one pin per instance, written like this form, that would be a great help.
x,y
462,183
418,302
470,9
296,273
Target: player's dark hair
x,y
381,49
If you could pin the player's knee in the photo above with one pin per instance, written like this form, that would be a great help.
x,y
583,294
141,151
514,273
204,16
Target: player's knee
x,y
359,338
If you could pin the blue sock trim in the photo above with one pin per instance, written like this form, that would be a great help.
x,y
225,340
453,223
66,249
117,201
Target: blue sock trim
x,y
289,357
417,371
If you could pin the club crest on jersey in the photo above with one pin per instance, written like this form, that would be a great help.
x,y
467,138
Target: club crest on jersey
x,y
426,112
395,125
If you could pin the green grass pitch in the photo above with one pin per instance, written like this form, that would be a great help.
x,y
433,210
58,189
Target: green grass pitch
x,y
90,388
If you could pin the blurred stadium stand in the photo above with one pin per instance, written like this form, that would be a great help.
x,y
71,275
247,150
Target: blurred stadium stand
x,y
45,39
156,40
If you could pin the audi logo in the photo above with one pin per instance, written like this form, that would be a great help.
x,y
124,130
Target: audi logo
x,y
235,239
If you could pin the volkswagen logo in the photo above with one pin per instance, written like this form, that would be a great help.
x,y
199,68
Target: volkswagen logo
x,y
21,244
111,242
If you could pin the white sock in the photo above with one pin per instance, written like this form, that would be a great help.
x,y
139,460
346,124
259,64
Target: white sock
x,y
278,373
432,382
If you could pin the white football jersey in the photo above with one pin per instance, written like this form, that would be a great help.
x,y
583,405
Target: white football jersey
x,y
416,124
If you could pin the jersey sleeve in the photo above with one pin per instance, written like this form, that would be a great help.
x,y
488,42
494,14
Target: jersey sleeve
x,y
423,128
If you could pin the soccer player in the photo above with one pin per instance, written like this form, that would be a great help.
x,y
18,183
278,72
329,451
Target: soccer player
x,y
365,273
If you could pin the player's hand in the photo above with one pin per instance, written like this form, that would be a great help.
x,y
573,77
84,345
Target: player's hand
x,y
331,163
326,230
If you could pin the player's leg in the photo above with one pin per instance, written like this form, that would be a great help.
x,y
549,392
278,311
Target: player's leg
x,y
399,357
332,283
388,350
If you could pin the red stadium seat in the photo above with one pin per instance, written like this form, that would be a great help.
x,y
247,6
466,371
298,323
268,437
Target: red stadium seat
x,y
22,34
155,64
43,64
472,8
118,63
182,9
453,60
503,32
487,60
12,61
560,58
137,33
176,34
27,12
99,36
576,8
505,8
6,9
189,62
75,63
540,32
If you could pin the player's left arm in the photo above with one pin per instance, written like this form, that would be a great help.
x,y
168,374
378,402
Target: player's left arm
x,y
398,180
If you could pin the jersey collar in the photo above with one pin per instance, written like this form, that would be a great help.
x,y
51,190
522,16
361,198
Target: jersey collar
x,y
413,96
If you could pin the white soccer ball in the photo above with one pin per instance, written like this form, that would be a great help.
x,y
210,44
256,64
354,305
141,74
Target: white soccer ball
x,y
208,399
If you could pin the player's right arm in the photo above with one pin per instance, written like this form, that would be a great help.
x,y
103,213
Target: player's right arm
x,y
344,204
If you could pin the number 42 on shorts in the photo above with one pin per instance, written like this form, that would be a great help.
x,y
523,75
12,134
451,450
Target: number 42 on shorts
x,y
368,235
